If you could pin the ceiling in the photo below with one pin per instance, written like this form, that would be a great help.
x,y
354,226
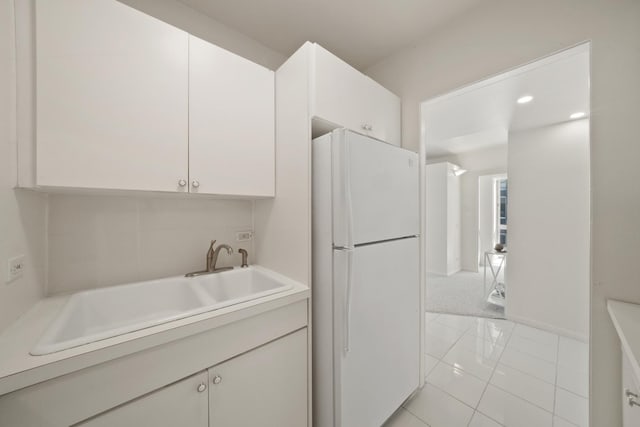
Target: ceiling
x,y
361,32
483,114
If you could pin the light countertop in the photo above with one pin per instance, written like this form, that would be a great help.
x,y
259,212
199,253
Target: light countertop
x,y
626,319
19,369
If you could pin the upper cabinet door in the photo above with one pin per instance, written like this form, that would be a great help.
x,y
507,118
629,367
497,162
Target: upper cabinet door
x,y
384,109
231,123
112,87
344,96
339,93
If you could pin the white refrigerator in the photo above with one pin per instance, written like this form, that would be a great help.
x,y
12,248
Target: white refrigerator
x,y
366,296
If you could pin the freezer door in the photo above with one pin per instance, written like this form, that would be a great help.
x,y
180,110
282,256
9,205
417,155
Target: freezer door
x,y
376,331
375,190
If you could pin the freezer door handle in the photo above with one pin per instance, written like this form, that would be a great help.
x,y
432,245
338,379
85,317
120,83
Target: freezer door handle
x,y
343,203
347,193
347,305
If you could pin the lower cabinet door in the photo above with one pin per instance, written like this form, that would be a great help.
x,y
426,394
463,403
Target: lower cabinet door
x,y
630,412
184,403
266,387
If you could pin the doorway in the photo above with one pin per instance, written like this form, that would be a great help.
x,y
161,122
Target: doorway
x,y
521,140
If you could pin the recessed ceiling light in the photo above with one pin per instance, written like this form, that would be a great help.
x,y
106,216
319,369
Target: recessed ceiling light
x,y
525,99
578,115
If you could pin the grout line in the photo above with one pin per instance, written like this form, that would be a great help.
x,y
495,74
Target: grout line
x,y
572,392
526,373
411,414
441,360
499,360
565,420
493,371
451,395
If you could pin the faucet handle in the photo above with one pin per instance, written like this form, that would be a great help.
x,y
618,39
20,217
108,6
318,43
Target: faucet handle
x,y
213,242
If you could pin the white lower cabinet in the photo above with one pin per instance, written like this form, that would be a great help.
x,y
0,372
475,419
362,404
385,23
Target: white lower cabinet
x,y
264,387
630,393
184,403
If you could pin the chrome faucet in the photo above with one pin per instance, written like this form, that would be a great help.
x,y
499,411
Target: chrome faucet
x,y
212,259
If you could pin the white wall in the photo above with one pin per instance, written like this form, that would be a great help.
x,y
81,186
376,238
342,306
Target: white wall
x,y
437,217
548,264
487,161
96,241
22,213
283,224
499,35
200,25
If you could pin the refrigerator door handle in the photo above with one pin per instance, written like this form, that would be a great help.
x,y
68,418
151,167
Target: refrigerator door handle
x,y
347,314
347,193
343,203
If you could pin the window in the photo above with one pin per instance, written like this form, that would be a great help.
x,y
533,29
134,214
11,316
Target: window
x,y
502,189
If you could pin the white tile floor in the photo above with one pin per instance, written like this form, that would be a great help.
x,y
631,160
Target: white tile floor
x,y
487,372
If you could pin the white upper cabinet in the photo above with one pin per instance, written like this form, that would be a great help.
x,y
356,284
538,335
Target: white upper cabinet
x,y
344,96
112,107
128,102
231,123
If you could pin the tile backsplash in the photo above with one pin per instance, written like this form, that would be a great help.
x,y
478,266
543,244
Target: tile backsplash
x,y
97,241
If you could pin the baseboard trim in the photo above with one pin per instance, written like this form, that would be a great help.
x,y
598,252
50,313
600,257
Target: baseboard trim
x,y
547,327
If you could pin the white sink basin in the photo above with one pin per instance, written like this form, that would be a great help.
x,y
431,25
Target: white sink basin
x,y
239,285
108,312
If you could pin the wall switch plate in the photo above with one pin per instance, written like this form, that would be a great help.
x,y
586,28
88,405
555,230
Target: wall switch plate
x,y
15,268
243,236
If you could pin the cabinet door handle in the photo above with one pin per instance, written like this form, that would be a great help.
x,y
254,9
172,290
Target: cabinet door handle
x,y
195,184
201,387
631,398
217,379
367,127
182,183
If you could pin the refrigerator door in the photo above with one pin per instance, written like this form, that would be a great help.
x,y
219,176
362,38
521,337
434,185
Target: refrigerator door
x,y
375,190
376,330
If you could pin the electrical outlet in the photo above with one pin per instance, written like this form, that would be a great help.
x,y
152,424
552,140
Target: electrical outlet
x,y
243,236
15,268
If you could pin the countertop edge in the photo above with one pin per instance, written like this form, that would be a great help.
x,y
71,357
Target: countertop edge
x,y
93,354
